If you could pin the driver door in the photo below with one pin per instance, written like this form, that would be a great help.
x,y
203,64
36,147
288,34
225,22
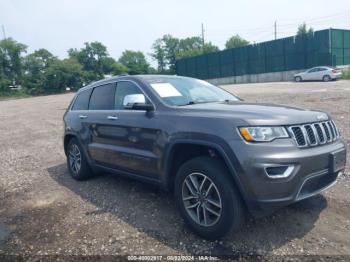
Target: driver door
x,y
132,135
312,74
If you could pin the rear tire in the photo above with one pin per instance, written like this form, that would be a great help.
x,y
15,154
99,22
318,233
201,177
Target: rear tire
x,y
77,163
298,79
207,198
326,78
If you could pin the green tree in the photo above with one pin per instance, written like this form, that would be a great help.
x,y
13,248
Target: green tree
x,y
135,61
62,74
236,41
153,71
210,48
92,57
193,46
118,68
4,82
159,54
190,46
11,65
171,50
168,49
302,29
110,66
35,66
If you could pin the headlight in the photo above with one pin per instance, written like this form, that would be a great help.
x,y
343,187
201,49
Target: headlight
x,y
263,133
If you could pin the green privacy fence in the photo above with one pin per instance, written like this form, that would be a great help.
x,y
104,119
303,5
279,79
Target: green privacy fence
x,y
340,47
325,47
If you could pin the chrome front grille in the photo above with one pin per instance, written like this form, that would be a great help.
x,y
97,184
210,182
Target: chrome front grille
x,y
314,134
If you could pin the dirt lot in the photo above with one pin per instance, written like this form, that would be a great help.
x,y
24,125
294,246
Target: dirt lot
x,y
44,211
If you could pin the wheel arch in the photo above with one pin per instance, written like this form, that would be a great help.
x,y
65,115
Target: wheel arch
x,y
326,76
67,138
211,148
298,77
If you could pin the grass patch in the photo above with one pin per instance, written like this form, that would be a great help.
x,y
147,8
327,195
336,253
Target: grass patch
x,y
346,73
13,95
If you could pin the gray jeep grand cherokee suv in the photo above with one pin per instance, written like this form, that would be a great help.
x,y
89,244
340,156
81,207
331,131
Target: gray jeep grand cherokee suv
x,y
219,155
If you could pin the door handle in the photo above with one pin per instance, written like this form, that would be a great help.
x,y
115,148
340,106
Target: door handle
x,y
82,116
112,117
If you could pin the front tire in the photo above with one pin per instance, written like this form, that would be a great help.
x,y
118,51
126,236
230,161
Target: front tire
x,y
77,163
207,198
298,79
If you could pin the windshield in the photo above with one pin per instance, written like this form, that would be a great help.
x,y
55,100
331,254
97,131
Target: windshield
x,y
186,91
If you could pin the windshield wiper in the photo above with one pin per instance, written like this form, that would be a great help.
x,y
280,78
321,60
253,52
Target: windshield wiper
x,y
188,103
197,102
232,101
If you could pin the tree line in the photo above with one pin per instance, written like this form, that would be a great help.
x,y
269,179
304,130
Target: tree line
x,y
41,72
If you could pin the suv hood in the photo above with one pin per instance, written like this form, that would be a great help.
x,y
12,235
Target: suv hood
x,y
256,114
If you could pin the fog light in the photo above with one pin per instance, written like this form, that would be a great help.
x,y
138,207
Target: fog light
x,y
279,171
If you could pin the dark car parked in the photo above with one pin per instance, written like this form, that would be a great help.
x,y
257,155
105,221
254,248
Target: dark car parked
x,y
220,156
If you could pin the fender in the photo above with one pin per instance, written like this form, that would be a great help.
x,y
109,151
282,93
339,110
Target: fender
x,y
212,141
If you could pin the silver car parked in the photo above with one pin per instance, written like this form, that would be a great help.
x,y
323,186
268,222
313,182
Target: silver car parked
x,y
324,73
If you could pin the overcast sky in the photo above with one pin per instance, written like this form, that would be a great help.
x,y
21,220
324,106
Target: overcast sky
x,y
58,25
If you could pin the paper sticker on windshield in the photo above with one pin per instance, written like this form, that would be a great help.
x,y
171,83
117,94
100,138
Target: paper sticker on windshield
x,y
165,89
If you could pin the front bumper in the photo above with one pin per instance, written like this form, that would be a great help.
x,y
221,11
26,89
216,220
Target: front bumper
x,y
313,172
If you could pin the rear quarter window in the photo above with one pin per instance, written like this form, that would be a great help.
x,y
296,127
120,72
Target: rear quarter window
x,y
82,100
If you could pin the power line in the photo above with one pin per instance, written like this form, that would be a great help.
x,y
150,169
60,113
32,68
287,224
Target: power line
x,y
286,29
325,19
315,20
262,37
322,17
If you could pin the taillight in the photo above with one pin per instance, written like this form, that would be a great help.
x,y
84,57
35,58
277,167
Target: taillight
x,y
334,71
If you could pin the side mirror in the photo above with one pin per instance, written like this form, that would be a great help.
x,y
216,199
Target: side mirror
x,y
136,102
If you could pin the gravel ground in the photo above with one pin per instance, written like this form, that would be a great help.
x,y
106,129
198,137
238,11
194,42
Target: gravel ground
x,y
44,211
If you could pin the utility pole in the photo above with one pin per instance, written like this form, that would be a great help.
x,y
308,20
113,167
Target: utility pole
x,y
275,30
202,35
3,31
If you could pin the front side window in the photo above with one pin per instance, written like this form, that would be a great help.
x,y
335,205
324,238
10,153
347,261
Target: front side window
x,y
82,100
184,91
125,88
102,98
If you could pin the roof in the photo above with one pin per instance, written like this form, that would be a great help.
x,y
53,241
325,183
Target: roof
x,y
139,77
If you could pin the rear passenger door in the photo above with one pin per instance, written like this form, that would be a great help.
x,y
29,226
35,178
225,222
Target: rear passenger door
x,y
99,128
78,115
321,72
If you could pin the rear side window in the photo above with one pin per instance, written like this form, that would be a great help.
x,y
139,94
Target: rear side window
x,y
82,100
102,97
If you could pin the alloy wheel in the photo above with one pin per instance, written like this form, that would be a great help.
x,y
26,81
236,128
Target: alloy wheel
x,y
201,199
75,158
